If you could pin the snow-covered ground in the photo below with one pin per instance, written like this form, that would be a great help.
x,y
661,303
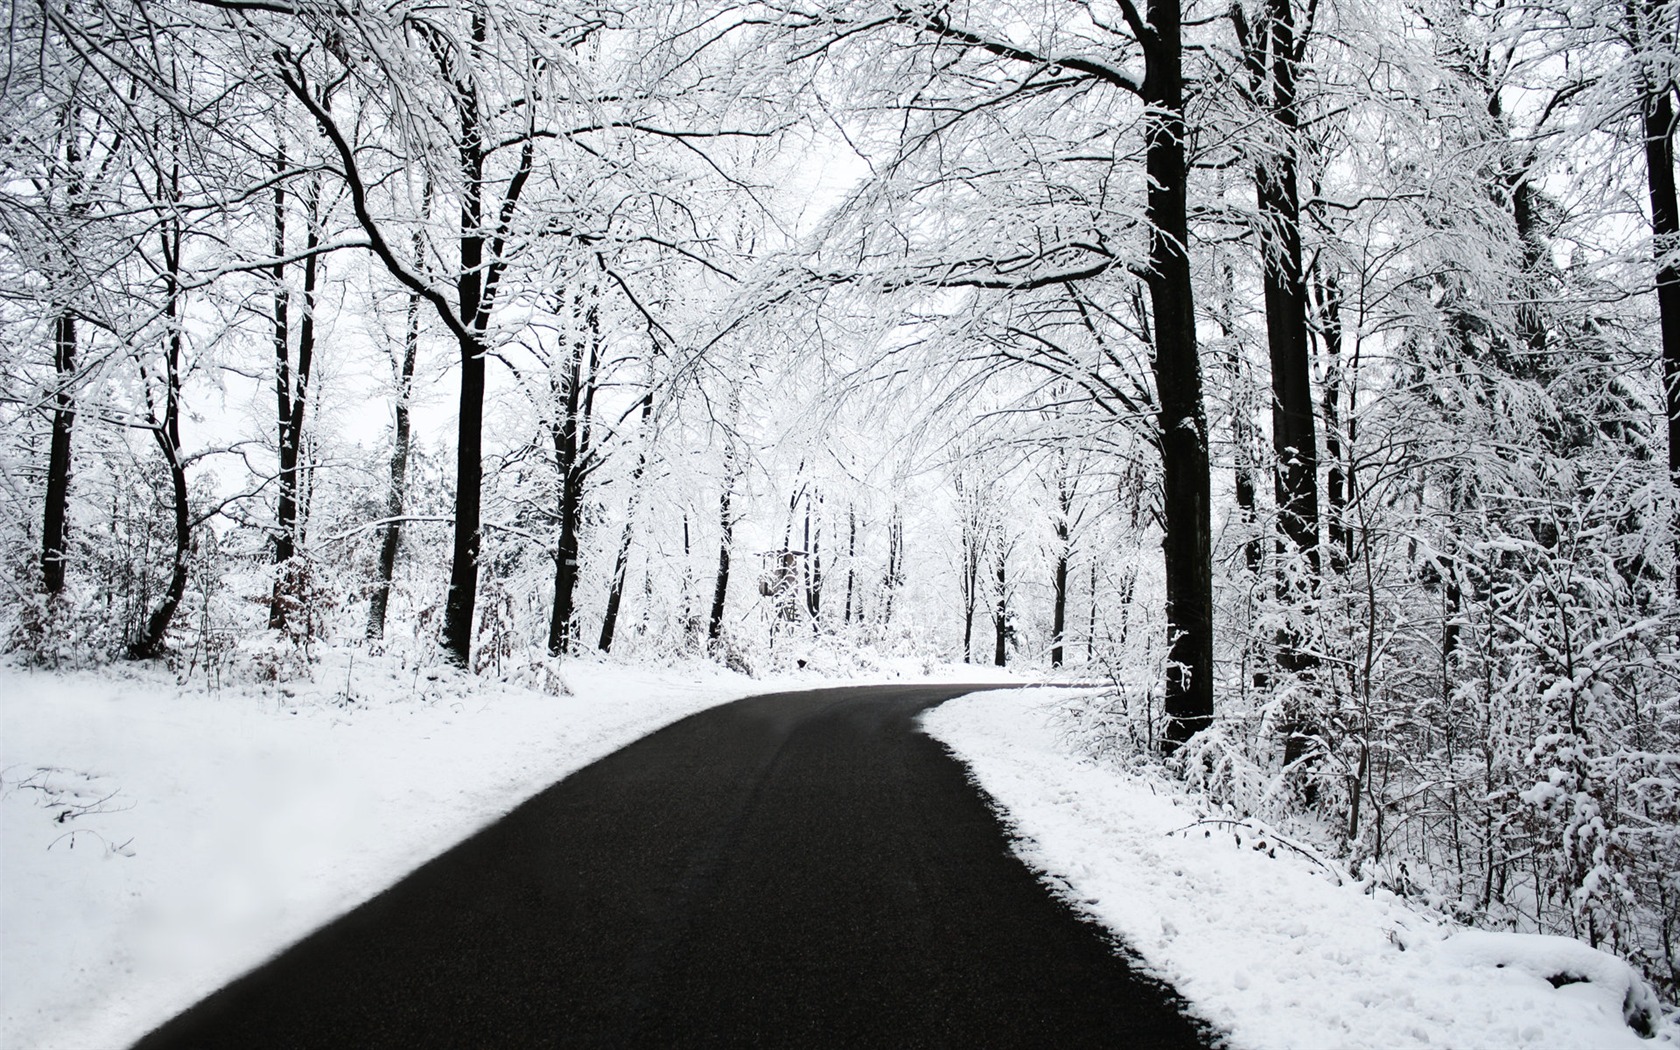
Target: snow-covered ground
x,y
156,841
1260,939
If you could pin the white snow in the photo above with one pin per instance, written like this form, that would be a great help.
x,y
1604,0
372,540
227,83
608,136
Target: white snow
x,y
155,842
1260,939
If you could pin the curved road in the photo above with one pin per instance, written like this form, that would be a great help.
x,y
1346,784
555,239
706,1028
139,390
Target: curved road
x,y
802,869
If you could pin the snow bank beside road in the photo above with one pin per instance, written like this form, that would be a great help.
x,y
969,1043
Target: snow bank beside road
x,y
1267,947
154,843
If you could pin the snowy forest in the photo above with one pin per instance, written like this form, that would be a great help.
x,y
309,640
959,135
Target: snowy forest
x,y
1307,371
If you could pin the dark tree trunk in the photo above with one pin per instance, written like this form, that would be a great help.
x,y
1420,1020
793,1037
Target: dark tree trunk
x,y
285,505
1336,482
971,584
1000,617
396,497
895,564
1246,509
1186,545
474,320
1271,58
726,523
1242,425
469,472
1665,234
851,557
54,525
1128,587
1059,586
291,385
55,518
571,436
720,592
1293,435
813,562
1091,628
167,433
621,562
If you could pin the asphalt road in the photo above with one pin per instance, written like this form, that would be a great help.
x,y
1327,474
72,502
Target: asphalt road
x,y
796,870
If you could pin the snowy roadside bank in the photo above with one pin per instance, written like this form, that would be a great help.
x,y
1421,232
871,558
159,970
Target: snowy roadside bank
x,y
1269,948
155,842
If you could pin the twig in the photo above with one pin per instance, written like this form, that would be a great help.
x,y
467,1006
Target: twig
x,y
1273,835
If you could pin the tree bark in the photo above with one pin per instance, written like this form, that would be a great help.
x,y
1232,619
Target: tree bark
x,y
1271,59
895,564
55,520
55,517
1000,615
570,434
396,497
1665,240
1336,481
167,433
726,523
474,320
813,562
621,563
1059,579
720,591
1187,544
1091,627
851,557
291,385
469,476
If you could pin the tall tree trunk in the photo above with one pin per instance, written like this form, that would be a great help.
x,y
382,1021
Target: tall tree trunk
x,y
1271,56
1278,198
1242,423
55,517
1665,239
570,434
1059,579
54,525
813,561
970,583
473,313
396,496
469,475
286,503
621,562
895,564
851,556
1247,511
1091,627
167,433
1187,516
1336,482
720,590
726,524
1000,612
291,384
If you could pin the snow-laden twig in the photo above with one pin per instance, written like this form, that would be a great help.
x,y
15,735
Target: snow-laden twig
x,y
1265,833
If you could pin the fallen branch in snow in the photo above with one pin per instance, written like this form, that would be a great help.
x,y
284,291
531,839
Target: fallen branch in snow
x,y
1265,833
121,849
